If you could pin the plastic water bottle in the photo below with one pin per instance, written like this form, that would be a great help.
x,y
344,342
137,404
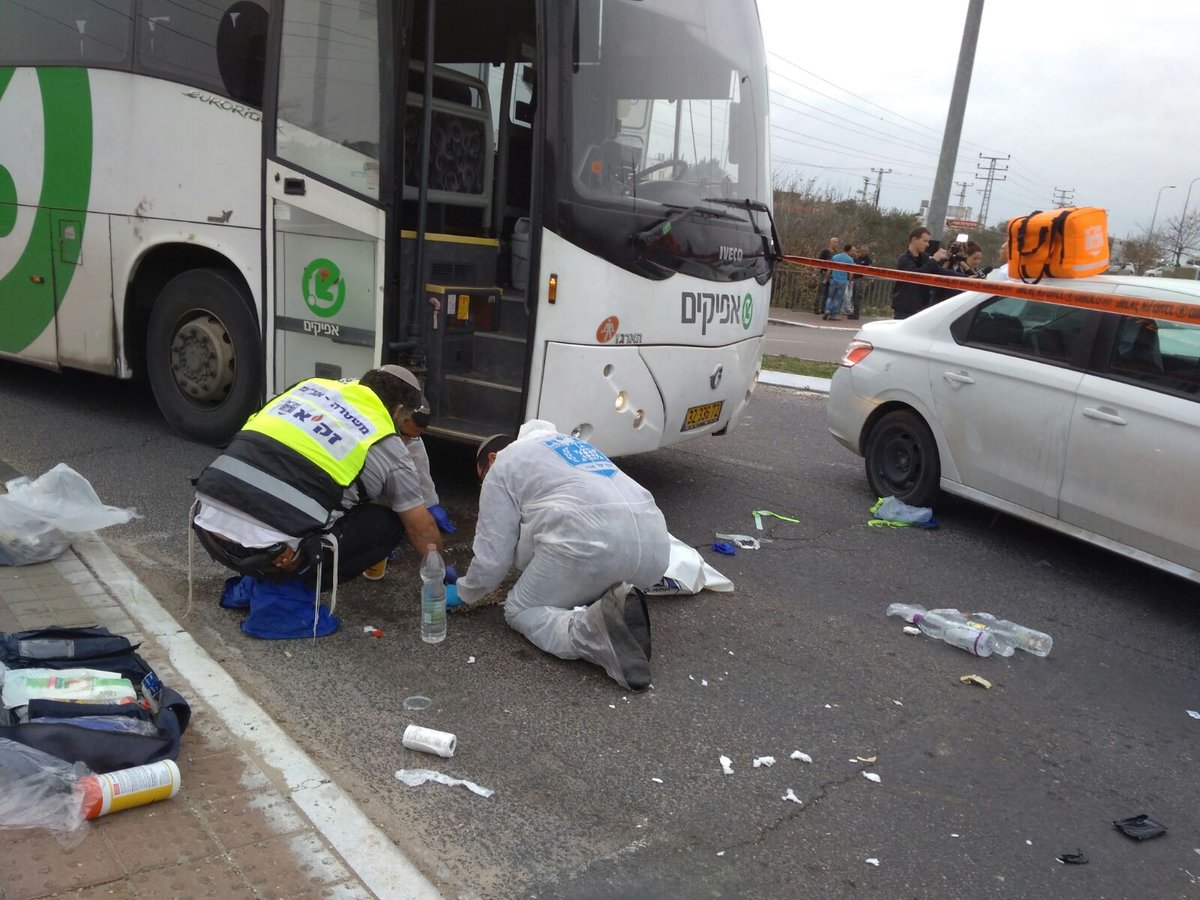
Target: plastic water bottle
x,y
1036,642
433,597
949,626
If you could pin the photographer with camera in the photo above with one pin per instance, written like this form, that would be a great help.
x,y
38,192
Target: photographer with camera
x,y
963,261
909,298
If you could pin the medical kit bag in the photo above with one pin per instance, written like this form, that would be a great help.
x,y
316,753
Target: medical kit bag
x,y
1060,243
85,695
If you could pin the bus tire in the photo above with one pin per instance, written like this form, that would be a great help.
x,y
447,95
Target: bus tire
x,y
204,355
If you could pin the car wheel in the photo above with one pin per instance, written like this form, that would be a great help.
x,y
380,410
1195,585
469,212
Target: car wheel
x,y
902,459
203,355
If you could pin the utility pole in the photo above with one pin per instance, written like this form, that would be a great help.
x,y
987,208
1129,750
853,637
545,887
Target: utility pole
x,y
954,121
879,182
862,195
1063,197
989,176
962,194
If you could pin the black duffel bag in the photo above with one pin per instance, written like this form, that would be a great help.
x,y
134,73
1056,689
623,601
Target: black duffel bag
x,y
99,750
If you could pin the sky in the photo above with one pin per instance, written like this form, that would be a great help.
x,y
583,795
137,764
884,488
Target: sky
x,y
1098,96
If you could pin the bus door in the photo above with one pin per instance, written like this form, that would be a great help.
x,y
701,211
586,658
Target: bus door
x,y
325,225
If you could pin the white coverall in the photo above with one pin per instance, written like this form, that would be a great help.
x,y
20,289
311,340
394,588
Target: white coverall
x,y
579,529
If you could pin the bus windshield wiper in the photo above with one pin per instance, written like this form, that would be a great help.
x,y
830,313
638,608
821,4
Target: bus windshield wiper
x,y
754,206
662,228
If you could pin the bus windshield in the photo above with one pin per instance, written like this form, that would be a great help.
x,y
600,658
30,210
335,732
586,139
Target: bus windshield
x,y
668,108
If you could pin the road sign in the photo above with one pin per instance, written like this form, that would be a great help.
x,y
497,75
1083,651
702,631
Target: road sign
x,y
965,224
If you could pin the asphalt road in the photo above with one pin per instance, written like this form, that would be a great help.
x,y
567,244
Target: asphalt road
x,y
825,343
979,789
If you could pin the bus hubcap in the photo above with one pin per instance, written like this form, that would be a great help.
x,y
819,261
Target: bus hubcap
x,y
202,360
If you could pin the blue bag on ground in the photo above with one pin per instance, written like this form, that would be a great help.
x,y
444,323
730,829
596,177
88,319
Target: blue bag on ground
x,y
278,610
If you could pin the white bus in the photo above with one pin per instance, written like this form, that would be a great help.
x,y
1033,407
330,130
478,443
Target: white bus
x,y
550,208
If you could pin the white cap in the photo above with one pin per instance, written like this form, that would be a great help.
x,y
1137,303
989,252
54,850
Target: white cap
x,y
408,378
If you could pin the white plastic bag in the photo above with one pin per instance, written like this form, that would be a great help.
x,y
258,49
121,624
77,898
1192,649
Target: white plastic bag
x,y
688,573
41,791
893,510
39,520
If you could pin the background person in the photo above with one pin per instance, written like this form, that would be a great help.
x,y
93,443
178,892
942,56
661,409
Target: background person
x,y
909,298
838,282
823,286
862,256
583,533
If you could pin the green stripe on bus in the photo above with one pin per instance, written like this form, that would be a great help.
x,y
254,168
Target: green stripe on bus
x,y
27,308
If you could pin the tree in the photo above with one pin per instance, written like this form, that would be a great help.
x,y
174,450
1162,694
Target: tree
x,y
1179,235
1142,251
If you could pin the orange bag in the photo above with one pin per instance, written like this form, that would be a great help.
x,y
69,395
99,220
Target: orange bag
x,y
1061,243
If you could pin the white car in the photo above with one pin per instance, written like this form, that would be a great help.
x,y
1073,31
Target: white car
x,y
1086,422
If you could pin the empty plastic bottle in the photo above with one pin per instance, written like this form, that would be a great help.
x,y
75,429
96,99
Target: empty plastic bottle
x,y
1036,642
433,597
950,626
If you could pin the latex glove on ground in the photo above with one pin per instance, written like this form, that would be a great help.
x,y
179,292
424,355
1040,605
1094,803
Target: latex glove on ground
x,y
452,601
451,575
443,519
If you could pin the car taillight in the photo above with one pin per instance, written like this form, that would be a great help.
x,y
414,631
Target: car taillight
x,y
856,352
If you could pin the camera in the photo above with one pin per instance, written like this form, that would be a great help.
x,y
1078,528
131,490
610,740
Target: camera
x,y
958,250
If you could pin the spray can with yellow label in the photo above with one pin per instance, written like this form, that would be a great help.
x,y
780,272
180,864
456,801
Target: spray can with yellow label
x,y
126,788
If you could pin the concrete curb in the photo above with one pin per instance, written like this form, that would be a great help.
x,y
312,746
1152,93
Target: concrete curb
x,y
810,325
368,852
800,382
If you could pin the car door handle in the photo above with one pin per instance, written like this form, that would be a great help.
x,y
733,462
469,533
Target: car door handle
x,y
1104,415
958,378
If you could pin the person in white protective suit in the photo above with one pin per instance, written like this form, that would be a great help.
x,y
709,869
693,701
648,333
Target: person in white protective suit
x,y
584,534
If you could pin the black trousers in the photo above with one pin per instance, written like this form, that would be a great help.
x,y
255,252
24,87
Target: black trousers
x,y
366,534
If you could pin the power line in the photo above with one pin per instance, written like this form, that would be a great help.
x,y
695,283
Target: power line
x,y
1063,197
879,182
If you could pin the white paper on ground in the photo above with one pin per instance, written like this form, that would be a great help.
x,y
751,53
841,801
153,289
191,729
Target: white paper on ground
x,y
791,795
688,573
871,776
803,757
726,766
417,777
764,761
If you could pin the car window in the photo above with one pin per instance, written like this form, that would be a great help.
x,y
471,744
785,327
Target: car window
x,y
1158,354
1026,327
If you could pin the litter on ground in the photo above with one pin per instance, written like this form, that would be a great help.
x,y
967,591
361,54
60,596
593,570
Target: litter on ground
x,y
976,680
803,757
726,766
871,776
791,795
872,861
657,780
767,761
417,777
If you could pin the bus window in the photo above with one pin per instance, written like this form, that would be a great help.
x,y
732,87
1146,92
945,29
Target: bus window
x,y
195,43
329,91
66,33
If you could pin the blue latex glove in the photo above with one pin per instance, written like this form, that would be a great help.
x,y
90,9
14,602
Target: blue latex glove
x,y
452,601
443,519
725,547
451,575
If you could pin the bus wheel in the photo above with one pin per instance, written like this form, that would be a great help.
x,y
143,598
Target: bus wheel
x,y
203,355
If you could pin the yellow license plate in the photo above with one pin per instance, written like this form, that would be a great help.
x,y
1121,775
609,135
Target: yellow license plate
x,y
699,416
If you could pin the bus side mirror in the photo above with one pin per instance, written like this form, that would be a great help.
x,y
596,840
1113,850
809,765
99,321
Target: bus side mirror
x,y
523,112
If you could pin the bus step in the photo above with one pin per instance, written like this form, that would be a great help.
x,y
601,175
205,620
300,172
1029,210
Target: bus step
x,y
513,317
475,396
498,357
468,430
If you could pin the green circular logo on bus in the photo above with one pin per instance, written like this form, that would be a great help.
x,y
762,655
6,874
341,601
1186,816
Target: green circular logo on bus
x,y
747,311
323,287
8,203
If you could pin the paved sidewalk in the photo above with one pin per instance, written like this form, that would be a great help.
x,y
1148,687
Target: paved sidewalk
x,y
254,817
778,315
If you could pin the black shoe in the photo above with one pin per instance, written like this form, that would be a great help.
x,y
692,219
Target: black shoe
x,y
851,317
637,619
627,623
825,316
